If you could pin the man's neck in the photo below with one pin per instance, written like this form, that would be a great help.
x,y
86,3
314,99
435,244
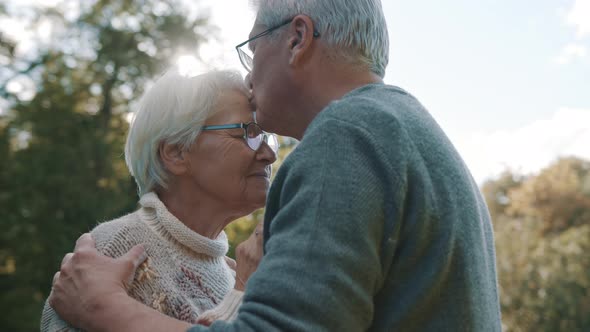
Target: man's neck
x,y
326,86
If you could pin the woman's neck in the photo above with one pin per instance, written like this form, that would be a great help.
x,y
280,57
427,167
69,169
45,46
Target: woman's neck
x,y
205,216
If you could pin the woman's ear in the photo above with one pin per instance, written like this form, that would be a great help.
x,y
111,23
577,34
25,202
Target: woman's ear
x,y
172,157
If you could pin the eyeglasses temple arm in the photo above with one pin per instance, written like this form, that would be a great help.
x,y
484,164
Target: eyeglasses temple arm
x,y
218,127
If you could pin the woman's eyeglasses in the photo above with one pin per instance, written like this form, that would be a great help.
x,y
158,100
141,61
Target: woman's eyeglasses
x,y
253,135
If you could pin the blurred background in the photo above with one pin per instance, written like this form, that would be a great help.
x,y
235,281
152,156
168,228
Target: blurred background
x,y
508,81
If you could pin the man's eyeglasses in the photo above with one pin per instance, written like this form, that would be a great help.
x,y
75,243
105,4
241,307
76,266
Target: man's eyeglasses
x,y
253,135
245,54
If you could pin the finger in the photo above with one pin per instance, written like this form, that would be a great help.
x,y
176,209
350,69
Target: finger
x,y
251,247
84,241
231,263
257,232
204,321
255,241
136,256
260,228
255,238
55,277
51,298
249,242
66,258
132,260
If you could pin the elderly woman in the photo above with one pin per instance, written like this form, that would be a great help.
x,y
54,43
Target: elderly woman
x,y
200,162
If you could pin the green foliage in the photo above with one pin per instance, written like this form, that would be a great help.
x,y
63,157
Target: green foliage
x,y
6,46
239,230
542,244
496,192
558,197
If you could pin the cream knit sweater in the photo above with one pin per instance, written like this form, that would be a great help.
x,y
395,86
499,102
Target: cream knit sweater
x,y
185,275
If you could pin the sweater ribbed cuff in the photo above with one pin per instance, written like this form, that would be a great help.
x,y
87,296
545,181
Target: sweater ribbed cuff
x,y
227,310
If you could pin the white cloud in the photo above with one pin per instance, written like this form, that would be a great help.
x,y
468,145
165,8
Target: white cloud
x,y
529,148
579,17
189,65
570,52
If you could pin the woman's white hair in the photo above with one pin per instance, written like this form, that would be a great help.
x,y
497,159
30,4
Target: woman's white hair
x,y
172,111
355,30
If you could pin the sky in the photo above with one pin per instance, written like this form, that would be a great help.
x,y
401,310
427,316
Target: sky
x,y
508,81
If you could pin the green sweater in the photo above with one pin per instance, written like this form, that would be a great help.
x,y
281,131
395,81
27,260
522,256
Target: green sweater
x,y
373,223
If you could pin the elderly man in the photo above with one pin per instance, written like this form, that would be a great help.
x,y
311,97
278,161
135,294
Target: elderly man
x,y
372,223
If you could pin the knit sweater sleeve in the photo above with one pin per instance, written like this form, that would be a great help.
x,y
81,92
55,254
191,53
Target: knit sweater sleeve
x,y
324,227
227,310
50,320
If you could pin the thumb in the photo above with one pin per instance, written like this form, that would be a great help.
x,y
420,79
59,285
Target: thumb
x,y
204,321
231,263
135,256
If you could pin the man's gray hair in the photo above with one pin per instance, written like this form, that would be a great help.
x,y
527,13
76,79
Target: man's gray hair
x,y
355,30
172,111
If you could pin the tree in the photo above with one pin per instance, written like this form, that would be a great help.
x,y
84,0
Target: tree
x,y
497,192
62,167
542,244
6,45
559,197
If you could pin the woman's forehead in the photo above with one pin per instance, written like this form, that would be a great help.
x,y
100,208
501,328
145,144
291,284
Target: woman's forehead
x,y
233,107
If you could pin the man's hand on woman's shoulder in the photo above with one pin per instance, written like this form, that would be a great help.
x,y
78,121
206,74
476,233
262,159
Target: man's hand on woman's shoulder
x,y
88,282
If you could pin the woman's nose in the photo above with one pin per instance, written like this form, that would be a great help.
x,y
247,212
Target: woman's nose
x,y
266,154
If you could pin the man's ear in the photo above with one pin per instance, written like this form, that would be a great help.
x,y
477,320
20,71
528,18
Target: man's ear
x,y
300,39
172,157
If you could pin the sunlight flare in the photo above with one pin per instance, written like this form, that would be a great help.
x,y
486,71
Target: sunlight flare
x,y
189,65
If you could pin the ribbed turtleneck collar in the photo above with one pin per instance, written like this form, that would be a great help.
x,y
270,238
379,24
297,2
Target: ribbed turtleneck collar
x,y
155,214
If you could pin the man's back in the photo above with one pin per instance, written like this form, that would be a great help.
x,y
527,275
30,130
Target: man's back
x,y
440,249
